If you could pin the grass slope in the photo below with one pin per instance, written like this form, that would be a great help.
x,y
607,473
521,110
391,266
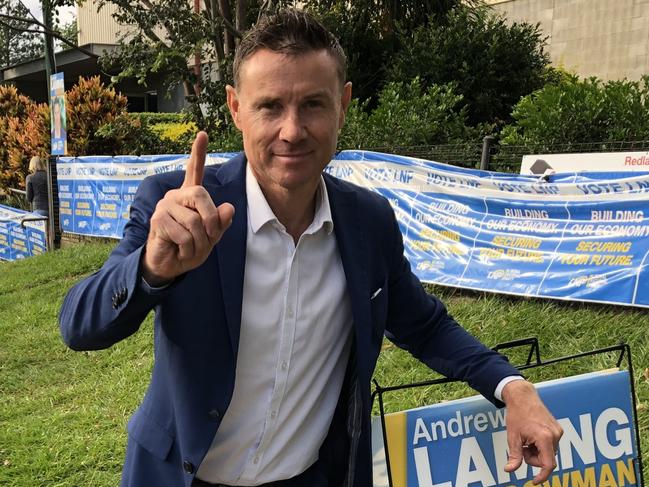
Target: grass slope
x,y
63,413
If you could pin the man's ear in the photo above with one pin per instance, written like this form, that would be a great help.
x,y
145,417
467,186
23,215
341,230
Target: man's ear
x,y
345,100
233,103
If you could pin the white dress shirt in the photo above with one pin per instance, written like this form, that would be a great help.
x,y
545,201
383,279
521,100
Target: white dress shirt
x,y
295,340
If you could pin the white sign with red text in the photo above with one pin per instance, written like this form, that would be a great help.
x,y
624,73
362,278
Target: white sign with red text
x,y
590,162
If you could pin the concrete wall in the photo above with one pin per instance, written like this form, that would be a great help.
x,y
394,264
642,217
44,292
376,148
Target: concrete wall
x,y
604,38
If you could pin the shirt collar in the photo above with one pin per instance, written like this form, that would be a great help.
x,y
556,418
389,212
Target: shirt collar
x,y
260,213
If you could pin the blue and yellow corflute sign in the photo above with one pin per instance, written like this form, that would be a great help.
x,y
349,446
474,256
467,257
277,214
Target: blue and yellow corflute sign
x,y
19,241
464,443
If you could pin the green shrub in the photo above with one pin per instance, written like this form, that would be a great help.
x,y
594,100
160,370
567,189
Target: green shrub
x,y
153,118
580,111
127,135
492,63
406,115
175,131
226,138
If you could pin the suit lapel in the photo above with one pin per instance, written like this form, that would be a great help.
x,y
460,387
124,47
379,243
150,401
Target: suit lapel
x,y
231,249
352,245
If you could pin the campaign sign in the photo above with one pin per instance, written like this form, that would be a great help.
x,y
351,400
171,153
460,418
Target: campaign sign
x,y
58,117
96,192
591,162
16,241
463,443
573,236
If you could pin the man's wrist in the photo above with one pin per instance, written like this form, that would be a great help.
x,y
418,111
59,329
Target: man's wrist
x,y
149,278
498,393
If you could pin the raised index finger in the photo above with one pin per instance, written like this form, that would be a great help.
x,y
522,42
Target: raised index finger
x,y
196,164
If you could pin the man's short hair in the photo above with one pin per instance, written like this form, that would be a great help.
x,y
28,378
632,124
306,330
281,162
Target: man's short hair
x,y
292,32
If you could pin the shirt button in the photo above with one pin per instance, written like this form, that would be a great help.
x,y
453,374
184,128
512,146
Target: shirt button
x,y
188,467
284,365
289,312
273,414
255,460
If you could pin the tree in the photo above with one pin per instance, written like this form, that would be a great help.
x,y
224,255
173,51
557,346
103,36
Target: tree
x,y
17,42
494,64
69,31
371,31
22,36
164,35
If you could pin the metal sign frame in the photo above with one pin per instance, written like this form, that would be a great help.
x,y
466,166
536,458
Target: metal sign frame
x,y
533,360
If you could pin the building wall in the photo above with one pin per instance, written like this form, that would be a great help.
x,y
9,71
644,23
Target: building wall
x,y
97,27
604,38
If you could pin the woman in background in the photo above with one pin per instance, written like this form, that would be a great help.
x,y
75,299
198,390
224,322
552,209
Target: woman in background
x,y
36,186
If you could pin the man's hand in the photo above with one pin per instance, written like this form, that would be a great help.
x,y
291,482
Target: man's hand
x,y
185,225
532,432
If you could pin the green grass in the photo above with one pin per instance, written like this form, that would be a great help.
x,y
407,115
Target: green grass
x,y
63,413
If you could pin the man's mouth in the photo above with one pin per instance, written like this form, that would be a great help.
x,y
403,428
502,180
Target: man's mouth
x,y
292,155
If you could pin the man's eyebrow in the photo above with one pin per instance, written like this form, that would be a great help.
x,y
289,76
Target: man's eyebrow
x,y
265,100
318,94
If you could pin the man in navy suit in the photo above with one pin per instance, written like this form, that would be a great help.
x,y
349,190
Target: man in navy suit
x,y
273,285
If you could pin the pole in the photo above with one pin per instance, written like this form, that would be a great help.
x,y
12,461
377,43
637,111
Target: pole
x,y
487,143
50,61
53,227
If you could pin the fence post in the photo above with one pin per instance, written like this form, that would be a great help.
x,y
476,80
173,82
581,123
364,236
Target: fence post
x,y
53,227
487,144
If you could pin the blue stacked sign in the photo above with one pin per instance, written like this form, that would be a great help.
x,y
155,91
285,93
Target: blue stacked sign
x,y
18,241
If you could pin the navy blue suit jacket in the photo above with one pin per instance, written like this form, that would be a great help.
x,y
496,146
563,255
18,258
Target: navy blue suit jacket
x,y
197,322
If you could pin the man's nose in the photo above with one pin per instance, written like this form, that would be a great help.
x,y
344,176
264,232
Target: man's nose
x,y
293,128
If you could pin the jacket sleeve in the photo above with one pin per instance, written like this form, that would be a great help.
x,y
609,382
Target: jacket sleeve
x,y
112,303
419,323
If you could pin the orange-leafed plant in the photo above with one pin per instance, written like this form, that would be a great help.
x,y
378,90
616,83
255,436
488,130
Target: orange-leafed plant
x,y
24,131
89,105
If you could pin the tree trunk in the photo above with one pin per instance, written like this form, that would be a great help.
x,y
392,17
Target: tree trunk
x,y
242,7
226,14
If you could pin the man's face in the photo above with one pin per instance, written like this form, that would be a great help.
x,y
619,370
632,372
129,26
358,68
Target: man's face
x,y
289,110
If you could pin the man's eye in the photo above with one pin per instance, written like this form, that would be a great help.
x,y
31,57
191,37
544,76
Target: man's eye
x,y
313,104
270,106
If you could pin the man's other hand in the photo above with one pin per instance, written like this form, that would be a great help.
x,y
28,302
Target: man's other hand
x,y
532,432
185,225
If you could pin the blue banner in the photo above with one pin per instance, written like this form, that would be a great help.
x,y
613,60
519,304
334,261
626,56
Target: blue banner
x,y
96,192
18,241
463,443
572,236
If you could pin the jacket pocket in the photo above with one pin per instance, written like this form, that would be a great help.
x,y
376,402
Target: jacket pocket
x,y
149,435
